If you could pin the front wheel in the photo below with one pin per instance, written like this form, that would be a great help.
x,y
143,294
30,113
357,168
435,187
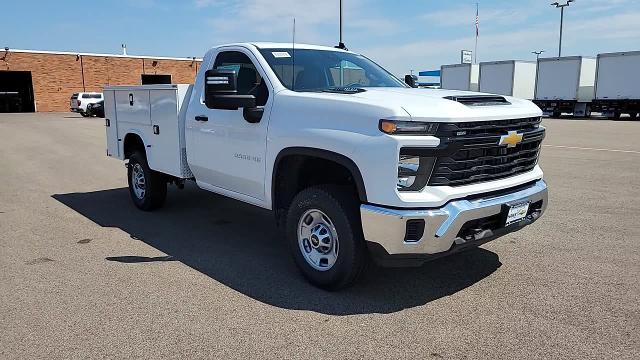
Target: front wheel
x,y
147,188
325,236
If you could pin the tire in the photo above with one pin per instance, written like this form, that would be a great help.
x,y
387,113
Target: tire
x,y
84,114
557,114
154,186
341,208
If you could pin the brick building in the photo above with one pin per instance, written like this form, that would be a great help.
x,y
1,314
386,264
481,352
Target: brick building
x,y
44,80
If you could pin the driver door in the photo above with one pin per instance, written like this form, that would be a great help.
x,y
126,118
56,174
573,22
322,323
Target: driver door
x,y
229,153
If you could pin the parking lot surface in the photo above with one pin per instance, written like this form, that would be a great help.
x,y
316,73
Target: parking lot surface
x,y
83,274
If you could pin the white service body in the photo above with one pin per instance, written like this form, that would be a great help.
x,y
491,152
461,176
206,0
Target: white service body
x,y
141,108
460,77
511,77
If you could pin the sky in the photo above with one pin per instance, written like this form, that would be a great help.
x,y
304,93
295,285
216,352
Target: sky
x,y
400,35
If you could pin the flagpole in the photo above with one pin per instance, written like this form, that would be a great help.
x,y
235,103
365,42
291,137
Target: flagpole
x,y
475,51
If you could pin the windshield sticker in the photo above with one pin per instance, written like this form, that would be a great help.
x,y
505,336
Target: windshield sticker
x,y
280,54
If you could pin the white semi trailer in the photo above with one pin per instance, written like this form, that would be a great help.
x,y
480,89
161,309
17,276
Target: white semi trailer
x,y
565,85
510,77
459,77
618,84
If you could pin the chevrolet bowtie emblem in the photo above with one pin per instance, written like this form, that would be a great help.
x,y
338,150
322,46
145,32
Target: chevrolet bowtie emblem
x,y
511,139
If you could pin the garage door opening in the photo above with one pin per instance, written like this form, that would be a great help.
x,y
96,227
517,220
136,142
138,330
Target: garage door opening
x,y
155,79
16,92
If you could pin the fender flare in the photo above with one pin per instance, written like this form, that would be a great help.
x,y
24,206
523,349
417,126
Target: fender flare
x,y
136,133
322,154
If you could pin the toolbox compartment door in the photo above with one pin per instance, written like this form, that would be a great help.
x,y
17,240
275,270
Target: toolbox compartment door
x,y
111,125
133,106
165,151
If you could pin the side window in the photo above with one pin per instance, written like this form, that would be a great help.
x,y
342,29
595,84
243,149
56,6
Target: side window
x,y
249,80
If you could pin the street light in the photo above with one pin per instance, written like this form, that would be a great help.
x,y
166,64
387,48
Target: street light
x,y
561,6
538,53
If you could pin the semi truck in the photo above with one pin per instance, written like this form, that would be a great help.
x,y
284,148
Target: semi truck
x,y
509,77
565,85
617,84
356,166
459,77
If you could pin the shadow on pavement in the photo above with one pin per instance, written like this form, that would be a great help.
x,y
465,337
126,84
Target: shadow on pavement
x,y
238,245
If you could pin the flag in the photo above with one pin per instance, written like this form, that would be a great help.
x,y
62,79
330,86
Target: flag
x,y
477,22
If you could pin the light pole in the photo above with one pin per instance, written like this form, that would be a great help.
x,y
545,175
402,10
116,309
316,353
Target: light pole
x,y
561,6
538,53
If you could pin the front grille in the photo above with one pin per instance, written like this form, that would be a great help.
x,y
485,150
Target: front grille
x,y
471,153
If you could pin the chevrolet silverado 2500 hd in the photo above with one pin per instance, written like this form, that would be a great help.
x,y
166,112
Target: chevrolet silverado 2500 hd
x,y
354,164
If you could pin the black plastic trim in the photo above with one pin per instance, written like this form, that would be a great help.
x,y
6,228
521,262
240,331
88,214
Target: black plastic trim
x,y
322,154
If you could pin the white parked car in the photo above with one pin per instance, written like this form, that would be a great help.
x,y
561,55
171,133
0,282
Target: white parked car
x,y
79,101
354,164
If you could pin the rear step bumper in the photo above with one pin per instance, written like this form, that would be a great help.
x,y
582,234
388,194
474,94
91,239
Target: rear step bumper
x,y
409,237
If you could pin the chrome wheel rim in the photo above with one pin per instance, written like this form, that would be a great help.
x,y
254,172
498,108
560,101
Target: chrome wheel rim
x,y
138,181
318,240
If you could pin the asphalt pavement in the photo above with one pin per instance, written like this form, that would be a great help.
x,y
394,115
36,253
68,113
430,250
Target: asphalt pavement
x,y
83,274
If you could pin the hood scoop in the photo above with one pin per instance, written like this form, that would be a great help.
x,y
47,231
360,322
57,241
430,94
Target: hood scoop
x,y
479,100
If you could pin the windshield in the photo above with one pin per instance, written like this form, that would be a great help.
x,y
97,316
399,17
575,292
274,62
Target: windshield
x,y
322,70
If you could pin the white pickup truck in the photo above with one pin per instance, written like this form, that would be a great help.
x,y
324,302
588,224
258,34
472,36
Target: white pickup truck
x,y
354,164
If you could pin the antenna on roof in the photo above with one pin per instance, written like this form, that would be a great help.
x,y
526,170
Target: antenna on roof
x,y
293,57
341,45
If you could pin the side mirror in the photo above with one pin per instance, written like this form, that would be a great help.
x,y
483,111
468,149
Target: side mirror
x,y
253,114
221,92
411,80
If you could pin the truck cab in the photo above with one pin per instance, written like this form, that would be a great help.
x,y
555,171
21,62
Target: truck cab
x,y
355,165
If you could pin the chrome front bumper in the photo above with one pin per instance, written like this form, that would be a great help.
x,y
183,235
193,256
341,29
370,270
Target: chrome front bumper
x,y
442,226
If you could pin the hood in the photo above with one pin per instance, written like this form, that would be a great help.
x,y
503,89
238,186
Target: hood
x,y
431,104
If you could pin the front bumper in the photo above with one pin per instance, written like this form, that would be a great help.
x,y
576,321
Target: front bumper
x,y
457,225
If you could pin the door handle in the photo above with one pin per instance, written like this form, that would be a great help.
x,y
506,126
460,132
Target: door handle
x,y
131,99
202,118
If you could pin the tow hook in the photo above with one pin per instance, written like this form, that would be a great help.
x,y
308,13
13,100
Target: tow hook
x,y
477,235
179,183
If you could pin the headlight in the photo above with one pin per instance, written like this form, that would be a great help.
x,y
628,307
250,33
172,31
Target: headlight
x,y
413,171
394,127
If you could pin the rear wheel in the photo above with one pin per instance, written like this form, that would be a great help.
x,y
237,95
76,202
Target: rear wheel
x,y
84,113
148,188
325,236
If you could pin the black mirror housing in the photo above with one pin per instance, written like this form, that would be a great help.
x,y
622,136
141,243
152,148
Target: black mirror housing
x,y
220,91
253,115
411,80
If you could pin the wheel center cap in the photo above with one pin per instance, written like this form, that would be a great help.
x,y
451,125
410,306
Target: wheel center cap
x,y
314,241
